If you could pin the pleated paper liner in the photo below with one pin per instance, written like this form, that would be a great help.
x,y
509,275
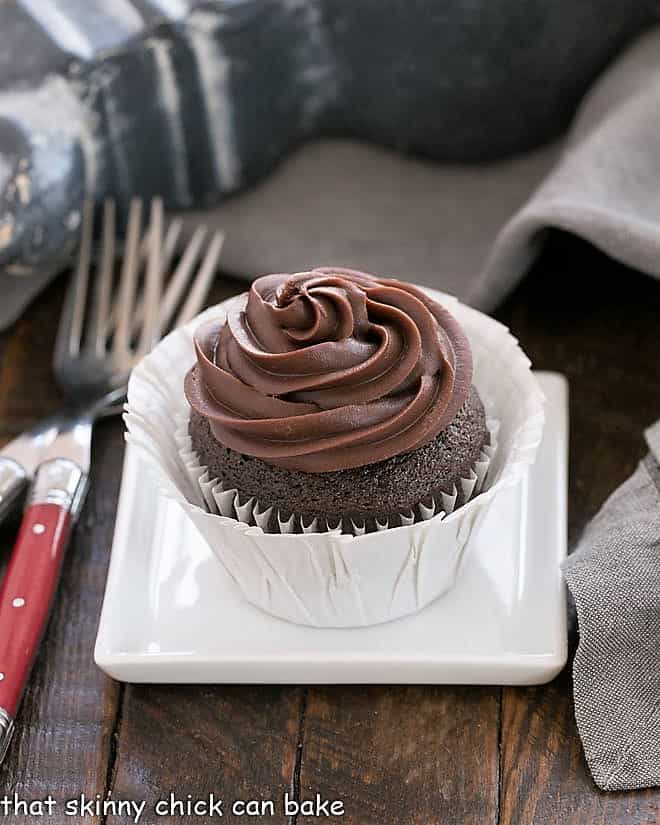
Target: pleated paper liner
x,y
229,502
336,578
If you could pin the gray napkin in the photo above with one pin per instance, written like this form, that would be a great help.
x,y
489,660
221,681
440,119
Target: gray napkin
x,y
470,230
614,578
605,186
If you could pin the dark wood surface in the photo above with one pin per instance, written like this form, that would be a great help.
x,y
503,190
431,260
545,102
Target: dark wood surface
x,y
405,755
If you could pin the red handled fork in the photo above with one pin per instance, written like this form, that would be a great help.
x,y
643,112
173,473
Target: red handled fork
x,y
100,339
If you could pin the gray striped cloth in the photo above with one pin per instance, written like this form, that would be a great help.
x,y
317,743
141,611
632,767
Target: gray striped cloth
x,y
614,578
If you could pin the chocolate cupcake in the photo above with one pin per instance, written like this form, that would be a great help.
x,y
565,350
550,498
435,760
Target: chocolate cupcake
x,y
333,393
332,396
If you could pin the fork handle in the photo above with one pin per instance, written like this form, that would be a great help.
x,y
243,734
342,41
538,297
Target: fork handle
x,y
13,480
30,583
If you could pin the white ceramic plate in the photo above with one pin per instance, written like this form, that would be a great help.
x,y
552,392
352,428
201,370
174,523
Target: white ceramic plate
x,y
172,614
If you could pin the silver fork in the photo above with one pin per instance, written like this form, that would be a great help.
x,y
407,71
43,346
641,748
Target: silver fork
x,y
96,348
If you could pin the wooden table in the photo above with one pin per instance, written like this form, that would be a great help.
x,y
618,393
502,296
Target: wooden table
x,y
399,755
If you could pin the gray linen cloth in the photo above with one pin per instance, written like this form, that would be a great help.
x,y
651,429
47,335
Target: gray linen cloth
x,y
614,578
470,230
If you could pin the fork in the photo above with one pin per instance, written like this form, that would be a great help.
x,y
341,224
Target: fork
x,y
98,343
96,350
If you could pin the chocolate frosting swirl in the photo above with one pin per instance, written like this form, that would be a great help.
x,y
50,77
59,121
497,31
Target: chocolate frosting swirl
x,y
329,369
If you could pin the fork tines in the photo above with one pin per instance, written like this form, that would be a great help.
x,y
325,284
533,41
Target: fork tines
x,y
132,309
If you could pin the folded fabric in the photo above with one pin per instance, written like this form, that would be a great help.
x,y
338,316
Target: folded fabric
x,y
605,186
614,578
451,226
471,230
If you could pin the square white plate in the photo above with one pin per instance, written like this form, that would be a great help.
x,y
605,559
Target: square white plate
x,y
172,614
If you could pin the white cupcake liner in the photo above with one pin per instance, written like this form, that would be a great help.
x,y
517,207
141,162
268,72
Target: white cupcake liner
x,y
229,502
332,579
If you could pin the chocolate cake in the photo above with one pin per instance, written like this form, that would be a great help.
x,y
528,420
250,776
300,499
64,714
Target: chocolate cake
x,y
334,394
